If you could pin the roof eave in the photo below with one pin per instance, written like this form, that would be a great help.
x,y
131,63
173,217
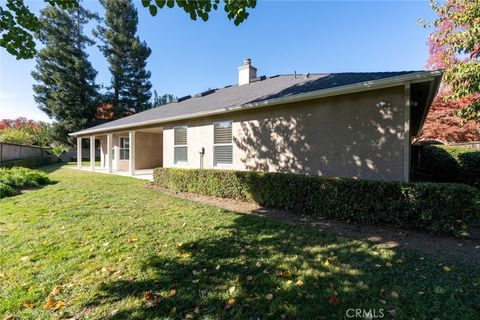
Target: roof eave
x,y
352,88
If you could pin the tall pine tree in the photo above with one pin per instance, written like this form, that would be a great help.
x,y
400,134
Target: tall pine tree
x,y
127,57
65,88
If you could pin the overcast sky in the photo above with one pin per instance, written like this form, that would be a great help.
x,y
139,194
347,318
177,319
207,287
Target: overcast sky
x,y
279,36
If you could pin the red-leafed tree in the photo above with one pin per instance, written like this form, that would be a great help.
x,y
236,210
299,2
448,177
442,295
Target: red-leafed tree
x,y
24,131
454,46
105,112
442,123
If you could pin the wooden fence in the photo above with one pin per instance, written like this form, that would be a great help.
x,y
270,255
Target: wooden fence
x,y
471,144
11,152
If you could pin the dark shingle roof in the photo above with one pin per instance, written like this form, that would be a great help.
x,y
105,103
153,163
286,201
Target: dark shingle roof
x,y
257,91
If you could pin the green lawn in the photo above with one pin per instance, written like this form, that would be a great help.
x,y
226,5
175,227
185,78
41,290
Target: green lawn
x,y
104,246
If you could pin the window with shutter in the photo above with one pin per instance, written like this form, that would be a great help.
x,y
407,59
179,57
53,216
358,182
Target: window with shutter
x,y
180,152
223,147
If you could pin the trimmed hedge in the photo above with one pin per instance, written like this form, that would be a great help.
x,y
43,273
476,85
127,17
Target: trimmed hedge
x,y
20,178
437,207
452,164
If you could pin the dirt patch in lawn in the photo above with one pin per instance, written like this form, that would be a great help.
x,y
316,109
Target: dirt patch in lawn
x,y
448,247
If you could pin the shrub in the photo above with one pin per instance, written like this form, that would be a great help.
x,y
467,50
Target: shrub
x,y
437,207
28,163
452,164
19,177
6,190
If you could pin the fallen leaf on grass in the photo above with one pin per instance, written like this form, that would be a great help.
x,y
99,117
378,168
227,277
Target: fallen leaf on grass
x,y
152,298
333,300
132,239
447,269
56,290
269,296
299,283
394,294
60,304
53,304
228,305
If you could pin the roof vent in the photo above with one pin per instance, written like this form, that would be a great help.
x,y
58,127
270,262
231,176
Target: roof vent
x,y
206,93
184,98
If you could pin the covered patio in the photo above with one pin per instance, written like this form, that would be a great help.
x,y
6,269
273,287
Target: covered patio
x,y
144,174
132,153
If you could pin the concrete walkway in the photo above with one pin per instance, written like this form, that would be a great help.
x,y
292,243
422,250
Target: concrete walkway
x,y
144,174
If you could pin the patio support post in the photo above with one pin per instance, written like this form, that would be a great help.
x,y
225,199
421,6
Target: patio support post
x,y
109,151
79,152
131,158
92,152
407,138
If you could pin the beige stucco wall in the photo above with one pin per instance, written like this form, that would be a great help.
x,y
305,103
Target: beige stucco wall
x,y
118,164
148,150
103,150
357,135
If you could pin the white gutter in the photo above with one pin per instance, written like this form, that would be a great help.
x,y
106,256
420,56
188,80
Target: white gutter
x,y
351,88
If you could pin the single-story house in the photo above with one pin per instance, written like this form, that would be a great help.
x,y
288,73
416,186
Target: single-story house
x,y
354,124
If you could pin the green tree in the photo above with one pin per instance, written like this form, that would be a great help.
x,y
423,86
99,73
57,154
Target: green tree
x,y
18,24
162,100
16,136
236,9
455,46
65,88
127,57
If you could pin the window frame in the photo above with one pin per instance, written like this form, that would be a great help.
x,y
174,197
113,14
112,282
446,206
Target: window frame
x,y
176,146
215,163
120,148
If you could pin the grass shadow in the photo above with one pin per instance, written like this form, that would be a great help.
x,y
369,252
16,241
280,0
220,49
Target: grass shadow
x,y
271,270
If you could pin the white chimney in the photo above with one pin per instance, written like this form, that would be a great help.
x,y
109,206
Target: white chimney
x,y
246,73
